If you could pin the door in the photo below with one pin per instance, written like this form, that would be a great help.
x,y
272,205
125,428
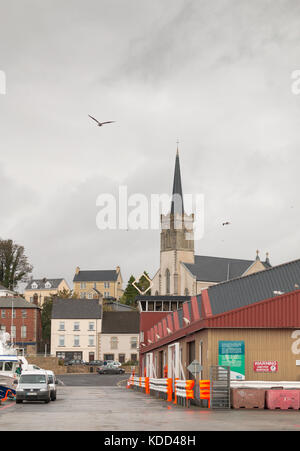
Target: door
x,y
191,357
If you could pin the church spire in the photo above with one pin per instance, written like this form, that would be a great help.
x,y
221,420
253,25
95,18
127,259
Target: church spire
x,y
177,197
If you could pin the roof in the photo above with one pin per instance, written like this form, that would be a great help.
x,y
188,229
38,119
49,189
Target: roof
x,y
255,287
16,302
177,197
109,275
41,283
121,323
218,269
264,299
76,309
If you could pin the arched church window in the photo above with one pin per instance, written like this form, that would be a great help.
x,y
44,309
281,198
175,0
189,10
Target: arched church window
x,y
167,281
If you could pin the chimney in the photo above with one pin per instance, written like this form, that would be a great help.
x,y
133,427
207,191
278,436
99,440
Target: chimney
x,y
118,269
77,271
35,299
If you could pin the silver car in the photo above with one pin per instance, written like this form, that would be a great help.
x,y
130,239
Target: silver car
x,y
33,386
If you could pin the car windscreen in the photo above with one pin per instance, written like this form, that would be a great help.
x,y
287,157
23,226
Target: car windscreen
x,y
50,379
33,379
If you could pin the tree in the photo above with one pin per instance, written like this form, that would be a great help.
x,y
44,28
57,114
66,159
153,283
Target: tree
x,y
131,292
14,266
65,294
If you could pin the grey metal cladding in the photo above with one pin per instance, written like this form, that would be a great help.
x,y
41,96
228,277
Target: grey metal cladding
x,y
256,287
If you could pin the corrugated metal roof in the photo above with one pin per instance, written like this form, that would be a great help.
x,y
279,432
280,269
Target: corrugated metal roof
x,y
255,287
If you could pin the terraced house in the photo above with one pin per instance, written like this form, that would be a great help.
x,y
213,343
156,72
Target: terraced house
x,y
75,329
107,282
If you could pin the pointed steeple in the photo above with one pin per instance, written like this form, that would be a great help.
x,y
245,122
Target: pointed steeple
x,y
177,197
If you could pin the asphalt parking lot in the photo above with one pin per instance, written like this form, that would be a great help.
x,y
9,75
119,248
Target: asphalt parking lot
x,y
92,380
112,407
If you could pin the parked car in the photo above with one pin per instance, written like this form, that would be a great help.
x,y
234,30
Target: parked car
x,y
74,362
110,369
96,363
52,381
113,362
33,386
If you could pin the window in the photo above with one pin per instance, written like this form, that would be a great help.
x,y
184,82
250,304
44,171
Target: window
x,y
133,342
90,295
109,356
34,286
8,366
106,284
48,285
114,343
106,294
122,358
83,295
61,341
83,285
167,281
24,314
91,326
133,357
91,340
61,325
13,332
23,331
3,328
77,325
76,340
2,313
95,285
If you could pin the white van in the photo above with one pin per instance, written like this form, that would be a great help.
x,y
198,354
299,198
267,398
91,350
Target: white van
x,y
52,381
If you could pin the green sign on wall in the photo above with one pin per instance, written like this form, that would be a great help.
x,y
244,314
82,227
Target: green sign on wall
x,y
232,353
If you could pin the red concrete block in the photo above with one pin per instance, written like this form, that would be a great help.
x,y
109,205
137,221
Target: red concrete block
x,y
283,399
248,398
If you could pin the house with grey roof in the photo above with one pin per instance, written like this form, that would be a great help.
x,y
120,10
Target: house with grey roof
x,y
181,272
120,336
108,282
44,288
76,326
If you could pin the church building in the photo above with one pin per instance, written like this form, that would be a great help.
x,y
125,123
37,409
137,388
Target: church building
x,y
181,272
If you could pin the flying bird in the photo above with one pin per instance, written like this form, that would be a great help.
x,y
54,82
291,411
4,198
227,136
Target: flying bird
x,y
226,223
101,123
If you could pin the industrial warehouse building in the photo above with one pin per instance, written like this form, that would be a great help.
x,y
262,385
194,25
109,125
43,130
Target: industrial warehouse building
x,y
251,323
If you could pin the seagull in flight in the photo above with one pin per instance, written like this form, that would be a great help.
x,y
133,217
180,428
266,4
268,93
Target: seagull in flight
x,y
226,223
101,123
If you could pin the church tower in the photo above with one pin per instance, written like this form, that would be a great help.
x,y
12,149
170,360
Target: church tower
x,y
176,239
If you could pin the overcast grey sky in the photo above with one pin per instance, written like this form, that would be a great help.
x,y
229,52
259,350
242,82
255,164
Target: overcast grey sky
x,y
214,74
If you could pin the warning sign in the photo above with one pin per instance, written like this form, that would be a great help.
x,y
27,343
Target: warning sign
x,y
265,366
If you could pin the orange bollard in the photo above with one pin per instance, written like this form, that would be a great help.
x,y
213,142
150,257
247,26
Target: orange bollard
x,y
205,390
147,386
190,389
175,395
169,390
